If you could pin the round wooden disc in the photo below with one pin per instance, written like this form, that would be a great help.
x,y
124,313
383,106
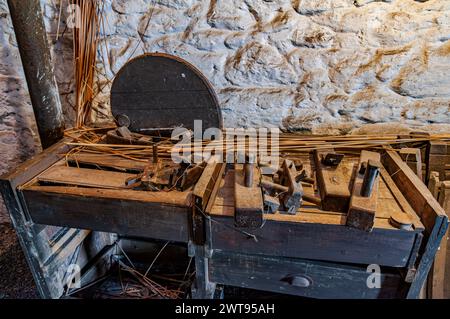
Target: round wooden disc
x,y
400,220
163,91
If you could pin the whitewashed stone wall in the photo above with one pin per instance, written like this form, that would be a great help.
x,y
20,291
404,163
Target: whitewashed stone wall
x,y
321,66
302,65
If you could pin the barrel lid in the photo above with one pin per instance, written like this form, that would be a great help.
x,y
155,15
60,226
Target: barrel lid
x,y
158,91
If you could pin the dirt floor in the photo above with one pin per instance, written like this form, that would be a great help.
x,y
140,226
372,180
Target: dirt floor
x,y
16,281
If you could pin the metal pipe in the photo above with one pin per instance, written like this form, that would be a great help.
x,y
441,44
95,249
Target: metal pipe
x,y
372,171
248,170
26,16
155,153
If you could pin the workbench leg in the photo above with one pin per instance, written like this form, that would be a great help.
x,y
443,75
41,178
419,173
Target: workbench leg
x,y
438,283
439,229
202,288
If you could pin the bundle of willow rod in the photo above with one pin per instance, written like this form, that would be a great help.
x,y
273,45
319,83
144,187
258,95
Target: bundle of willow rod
x,y
85,41
289,144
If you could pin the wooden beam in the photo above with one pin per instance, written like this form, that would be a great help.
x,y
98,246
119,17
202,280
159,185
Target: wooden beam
x,y
204,191
306,240
434,184
414,190
333,183
292,199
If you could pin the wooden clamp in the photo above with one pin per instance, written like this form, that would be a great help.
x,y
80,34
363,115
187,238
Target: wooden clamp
x,y
438,283
204,192
333,183
413,157
363,203
191,176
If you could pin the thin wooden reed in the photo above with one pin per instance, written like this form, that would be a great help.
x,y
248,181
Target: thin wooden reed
x,y
289,144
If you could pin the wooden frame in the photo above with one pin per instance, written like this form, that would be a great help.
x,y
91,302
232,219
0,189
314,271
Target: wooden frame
x,y
430,212
438,281
50,250
42,213
212,242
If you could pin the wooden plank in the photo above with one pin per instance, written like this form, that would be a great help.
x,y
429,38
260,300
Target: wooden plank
x,y
427,208
27,241
317,279
386,207
85,177
334,183
439,160
101,210
305,215
438,163
106,160
361,213
384,192
249,204
326,241
64,249
31,168
225,194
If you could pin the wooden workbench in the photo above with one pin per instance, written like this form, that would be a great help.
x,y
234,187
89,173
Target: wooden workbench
x,y
314,254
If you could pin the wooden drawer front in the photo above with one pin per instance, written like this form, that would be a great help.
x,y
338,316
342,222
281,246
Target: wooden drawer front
x,y
301,277
108,214
334,243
